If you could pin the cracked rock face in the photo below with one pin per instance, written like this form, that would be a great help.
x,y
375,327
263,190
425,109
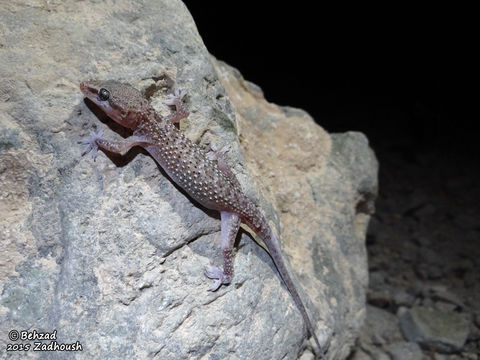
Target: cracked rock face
x,y
111,253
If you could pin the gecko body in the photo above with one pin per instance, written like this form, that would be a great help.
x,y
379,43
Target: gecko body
x,y
205,177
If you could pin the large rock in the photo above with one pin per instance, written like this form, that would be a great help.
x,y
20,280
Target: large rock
x,y
444,331
111,253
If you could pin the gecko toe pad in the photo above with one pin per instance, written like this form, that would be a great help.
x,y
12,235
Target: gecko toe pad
x,y
91,143
215,154
175,98
212,272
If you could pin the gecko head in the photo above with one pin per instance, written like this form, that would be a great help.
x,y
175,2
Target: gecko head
x,y
121,102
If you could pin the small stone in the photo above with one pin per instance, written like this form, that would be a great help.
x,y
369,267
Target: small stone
x,y
404,350
418,289
380,327
441,293
409,252
427,271
435,272
426,302
374,352
469,356
429,256
447,357
471,347
402,298
360,355
376,279
445,307
474,335
380,355
379,298
444,331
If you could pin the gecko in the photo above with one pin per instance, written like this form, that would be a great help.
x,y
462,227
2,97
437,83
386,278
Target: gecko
x,y
204,176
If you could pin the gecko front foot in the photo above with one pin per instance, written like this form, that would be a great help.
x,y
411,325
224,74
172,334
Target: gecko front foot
x,y
175,98
212,272
91,143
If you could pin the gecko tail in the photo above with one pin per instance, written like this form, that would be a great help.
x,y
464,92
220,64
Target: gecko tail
x,y
263,230
280,263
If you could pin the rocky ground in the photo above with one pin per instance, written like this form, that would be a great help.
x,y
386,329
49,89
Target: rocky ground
x,y
424,247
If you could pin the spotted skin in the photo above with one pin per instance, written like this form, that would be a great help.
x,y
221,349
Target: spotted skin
x,y
205,177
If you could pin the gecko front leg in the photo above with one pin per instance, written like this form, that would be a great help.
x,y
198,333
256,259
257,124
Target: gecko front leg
x,y
176,99
229,229
95,141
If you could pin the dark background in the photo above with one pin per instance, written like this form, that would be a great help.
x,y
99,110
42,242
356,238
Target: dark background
x,y
404,77
400,75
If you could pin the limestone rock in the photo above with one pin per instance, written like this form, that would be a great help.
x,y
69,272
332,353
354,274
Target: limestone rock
x,y
111,253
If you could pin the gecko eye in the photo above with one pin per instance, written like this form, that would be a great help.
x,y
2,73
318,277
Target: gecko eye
x,y
103,94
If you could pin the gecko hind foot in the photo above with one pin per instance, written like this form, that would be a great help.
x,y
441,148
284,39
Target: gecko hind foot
x,y
215,154
175,98
91,143
212,272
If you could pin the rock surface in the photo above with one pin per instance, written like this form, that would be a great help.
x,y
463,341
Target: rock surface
x,y
111,253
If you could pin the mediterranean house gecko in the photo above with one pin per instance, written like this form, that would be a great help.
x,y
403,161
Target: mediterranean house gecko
x,y
204,176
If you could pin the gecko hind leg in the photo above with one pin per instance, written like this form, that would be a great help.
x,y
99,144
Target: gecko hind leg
x,y
230,225
215,154
219,156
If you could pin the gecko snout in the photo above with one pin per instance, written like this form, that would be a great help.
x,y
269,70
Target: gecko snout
x,y
83,86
